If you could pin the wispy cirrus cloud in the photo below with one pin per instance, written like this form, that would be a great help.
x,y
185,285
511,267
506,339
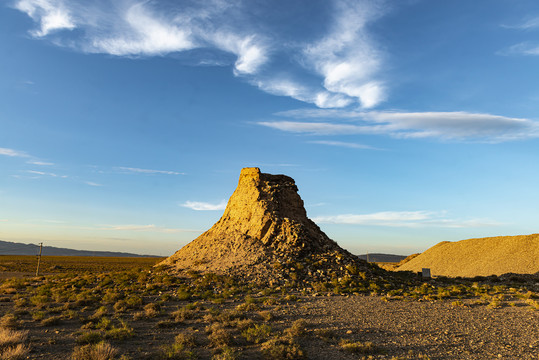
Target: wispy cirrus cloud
x,y
40,163
343,144
338,66
144,228
147,171
13,153
204,206
526,24
91,183
44,173
529,48
441,125
404,219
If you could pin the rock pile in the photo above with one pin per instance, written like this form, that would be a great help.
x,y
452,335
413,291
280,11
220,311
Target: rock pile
x,y
265,234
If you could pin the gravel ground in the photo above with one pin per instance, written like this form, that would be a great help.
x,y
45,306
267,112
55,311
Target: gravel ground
x,y
412,329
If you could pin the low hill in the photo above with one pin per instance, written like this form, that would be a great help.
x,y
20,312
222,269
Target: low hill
x,y
480,257
376,257
12,248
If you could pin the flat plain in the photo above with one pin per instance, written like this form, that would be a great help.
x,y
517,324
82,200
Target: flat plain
x,y
124,308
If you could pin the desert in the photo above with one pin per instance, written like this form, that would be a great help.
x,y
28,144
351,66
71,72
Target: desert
x,y
263,283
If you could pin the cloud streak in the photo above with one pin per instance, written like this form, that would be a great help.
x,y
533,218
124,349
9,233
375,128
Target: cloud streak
x,y
441,125
144,228
204,206
409,219
13,153
148,171
338,67
343,144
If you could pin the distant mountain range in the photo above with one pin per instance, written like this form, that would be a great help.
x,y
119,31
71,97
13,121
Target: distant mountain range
x,y
376,257
12,248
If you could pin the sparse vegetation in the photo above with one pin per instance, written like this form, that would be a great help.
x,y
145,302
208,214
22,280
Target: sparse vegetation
x,y
200,316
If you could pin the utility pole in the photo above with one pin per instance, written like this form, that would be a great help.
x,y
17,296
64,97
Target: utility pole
x,y
39,258
367,256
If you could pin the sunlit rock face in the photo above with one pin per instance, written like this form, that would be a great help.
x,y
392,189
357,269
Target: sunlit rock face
x,y
264,229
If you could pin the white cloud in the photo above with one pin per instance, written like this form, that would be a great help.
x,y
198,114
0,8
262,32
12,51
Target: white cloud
x,y
91,183
523,48
403,219
338,67
530,23
143,33
346,57
43,173
52,15
204,206
442,125
41,163
13,153
144,228
343,144
147,171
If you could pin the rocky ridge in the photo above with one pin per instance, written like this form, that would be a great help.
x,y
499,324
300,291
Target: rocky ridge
x,y
265,234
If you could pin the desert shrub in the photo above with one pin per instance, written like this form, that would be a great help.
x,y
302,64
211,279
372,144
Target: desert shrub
x,y
99,351
298,328
183,294
218,335
21,303
104,323
326,334
100,312
226,353
120,333
247,307
176,352
242,324
152,310
10,337
266,315
257,333
111,297
187,339
357,347
40,300
38,315
281,349
120,306
51,321
91,337
133,302
534,305
15,352
8,321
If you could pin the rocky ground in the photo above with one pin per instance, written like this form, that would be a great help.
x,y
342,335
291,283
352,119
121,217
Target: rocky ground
x,y
411,330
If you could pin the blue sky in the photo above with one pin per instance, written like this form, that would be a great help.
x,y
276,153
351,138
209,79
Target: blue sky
x,y
124,124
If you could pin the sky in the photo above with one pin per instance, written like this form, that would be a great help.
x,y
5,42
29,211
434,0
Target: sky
x,y
124,124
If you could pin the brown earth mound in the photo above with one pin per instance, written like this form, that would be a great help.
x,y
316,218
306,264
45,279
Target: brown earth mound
x,y
480,257
264,233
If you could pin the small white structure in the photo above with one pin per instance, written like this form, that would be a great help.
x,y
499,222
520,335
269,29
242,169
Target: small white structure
x,y
425,273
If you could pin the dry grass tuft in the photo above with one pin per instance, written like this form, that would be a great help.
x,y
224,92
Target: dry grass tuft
x,y
100,351
11,337
16,352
